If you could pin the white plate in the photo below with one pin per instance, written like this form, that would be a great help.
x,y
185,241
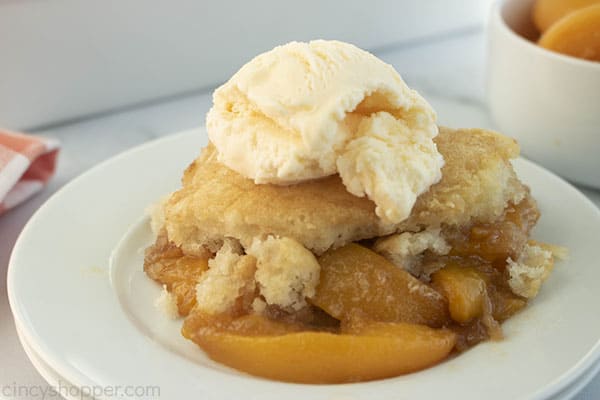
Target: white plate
x,y
95,323
59,384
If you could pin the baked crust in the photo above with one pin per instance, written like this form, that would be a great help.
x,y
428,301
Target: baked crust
x,y
215,202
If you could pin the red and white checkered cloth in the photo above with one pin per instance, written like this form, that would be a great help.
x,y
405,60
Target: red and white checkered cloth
x,y
26,164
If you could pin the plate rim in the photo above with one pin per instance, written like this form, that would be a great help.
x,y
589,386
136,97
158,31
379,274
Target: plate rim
x,y
40,349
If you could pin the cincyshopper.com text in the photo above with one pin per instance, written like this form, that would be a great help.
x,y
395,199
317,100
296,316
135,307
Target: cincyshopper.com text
x,y
64,390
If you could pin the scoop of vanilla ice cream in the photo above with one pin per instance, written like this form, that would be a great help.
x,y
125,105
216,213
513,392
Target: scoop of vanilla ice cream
x,y
308,110
391,163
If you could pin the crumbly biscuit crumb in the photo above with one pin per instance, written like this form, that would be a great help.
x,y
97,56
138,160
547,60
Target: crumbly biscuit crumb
x,y
167,304
156,212
530,270
558,252
229,276
405,249
259,305
286,272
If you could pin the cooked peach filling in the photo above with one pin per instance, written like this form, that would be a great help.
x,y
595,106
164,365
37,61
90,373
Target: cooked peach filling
x,y
369,319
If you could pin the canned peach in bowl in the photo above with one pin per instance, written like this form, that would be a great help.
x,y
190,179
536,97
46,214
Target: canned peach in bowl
x,y
548,97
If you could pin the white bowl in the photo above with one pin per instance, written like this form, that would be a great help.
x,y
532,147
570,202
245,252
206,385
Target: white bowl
x,y
549,102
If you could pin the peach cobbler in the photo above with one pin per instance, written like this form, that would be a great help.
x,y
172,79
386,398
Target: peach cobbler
x,y
331,232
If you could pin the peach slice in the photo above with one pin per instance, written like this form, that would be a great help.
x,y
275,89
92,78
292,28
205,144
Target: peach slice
x,y
577,34
377,351
465,290
547,12
357,283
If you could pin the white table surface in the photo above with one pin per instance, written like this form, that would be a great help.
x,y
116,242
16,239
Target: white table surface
x,y
448,70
